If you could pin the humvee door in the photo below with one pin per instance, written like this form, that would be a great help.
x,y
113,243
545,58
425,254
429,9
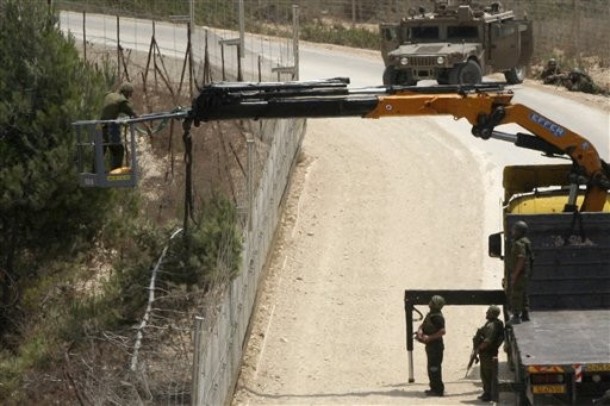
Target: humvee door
x,y
505,50
390,39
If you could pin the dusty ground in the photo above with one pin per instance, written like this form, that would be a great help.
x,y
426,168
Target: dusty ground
x,y
363,222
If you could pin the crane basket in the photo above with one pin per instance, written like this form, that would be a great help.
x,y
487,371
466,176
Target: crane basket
x,y
92,164
95,137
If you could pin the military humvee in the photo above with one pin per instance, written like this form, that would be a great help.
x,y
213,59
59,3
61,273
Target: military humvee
x,y
456,43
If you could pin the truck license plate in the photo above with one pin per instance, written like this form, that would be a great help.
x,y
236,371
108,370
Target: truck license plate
x,y
598,368
542,389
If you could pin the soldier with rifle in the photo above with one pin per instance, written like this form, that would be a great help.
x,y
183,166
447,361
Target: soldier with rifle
x,y
552,75
485,346
579,81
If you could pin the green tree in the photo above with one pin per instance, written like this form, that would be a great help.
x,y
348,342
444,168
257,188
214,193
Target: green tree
x,y
44,87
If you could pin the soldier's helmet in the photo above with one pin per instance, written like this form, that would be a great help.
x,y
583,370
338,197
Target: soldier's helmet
x,y
552,63
493,311
126,89
520,227
437,302
576,73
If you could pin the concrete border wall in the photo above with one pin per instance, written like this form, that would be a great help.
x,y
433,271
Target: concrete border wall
x,y
220,346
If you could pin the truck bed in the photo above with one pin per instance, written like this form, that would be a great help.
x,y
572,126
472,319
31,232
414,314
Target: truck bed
x,y
564,337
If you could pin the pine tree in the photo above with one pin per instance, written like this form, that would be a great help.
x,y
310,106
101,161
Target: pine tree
x,y
44,87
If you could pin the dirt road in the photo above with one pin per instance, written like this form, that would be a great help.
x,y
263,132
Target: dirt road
x,y
365,219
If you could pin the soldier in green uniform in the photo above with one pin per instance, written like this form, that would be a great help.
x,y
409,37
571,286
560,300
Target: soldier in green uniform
x,y
579,81
488,339
431,333
551,75
518,272
115,104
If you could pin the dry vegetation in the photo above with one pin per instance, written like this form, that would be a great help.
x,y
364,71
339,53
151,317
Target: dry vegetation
x,y
92,367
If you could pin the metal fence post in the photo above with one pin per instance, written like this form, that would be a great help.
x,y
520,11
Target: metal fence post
x,y
242,28
295,40
195,398
250,180
118,48
85,36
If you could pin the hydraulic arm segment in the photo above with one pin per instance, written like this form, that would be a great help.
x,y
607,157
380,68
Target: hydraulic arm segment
x,y
485,106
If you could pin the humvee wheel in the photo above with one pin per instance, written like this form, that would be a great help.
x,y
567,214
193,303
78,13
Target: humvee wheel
x,y
515,75
468,73
389,76
442,78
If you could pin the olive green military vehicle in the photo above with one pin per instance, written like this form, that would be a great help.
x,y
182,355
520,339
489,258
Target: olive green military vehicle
x,y
458,42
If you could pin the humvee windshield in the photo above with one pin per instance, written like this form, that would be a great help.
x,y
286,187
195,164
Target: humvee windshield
x,y
454,33
424,33
460,32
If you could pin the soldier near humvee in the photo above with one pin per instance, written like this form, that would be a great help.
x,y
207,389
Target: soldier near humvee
x,y
552,75
579,81
576,80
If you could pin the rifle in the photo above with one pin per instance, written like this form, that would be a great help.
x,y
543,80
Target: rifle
x,y
474,354
474,358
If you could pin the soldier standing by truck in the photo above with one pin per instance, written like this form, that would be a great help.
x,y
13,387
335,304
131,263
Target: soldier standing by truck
x,y
431,333
487,341
518,272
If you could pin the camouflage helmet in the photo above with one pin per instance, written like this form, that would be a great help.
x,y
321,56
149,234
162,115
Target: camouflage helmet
x,y
126,88
493,311
437,302
552,62
520,227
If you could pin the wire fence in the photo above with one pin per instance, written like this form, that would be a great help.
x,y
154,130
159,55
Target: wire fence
x,y
248,161
576,30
